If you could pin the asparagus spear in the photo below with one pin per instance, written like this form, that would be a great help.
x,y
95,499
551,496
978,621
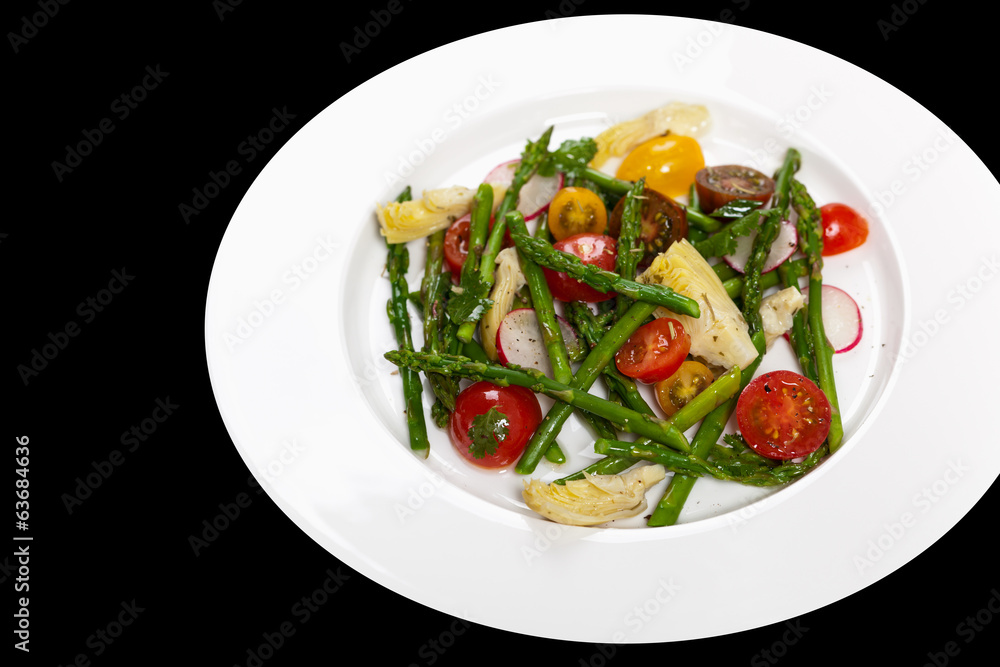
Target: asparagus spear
x,y
724,389
630,246
398,262
532,155
693,465
544,254
657,430
811,243
434,290
679,488
591,367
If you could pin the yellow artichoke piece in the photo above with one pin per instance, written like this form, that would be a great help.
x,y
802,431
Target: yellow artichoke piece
x,y
690,120
508,280
777,311
720,336
594,500
402,222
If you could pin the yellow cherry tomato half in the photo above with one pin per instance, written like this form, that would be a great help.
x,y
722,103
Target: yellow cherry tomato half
x,y
668,162
576,211
677,390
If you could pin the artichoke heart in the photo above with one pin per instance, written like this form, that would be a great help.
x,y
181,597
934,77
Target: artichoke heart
x,y
509,279
721,335
677,117
594,500
777,311
436,209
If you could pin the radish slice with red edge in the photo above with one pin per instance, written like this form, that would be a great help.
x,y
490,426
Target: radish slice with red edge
x,y
520,342
784,246
841,319
536,194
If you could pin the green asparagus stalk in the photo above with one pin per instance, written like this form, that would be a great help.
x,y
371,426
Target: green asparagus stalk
x,y
606,281
799,333
752,291
544,306
695,466
588,372
795,268
532,155
679,488
545,311
434,290
811,243
630,245
397,263
720,392
657,430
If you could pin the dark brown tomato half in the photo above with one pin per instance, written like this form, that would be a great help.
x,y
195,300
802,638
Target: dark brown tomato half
x,y
663,221
717,186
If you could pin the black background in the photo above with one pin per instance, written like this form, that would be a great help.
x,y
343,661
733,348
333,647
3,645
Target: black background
x,y
118,210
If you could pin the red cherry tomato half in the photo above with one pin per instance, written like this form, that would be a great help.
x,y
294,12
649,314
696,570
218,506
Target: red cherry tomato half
x,y
521,415
655,351
843,229
596,249
783,415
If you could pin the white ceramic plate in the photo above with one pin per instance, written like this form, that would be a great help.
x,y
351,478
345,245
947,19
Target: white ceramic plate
x,y
296,329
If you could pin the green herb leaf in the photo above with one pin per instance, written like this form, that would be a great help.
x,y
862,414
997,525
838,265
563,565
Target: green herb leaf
x,y
471,302
571,158
736,208
723,242
486,432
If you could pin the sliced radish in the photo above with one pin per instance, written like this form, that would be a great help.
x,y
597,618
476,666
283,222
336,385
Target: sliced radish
x,y
784,246
536,193
520,342
841,319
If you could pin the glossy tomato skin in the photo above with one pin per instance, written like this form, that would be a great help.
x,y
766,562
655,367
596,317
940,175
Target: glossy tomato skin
x,y
576,210
692,378
597,249
668,162
843,229
663,221
522,410
783,415
655,351
721,184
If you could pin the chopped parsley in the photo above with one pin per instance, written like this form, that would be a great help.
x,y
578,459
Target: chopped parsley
x,y
487,432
